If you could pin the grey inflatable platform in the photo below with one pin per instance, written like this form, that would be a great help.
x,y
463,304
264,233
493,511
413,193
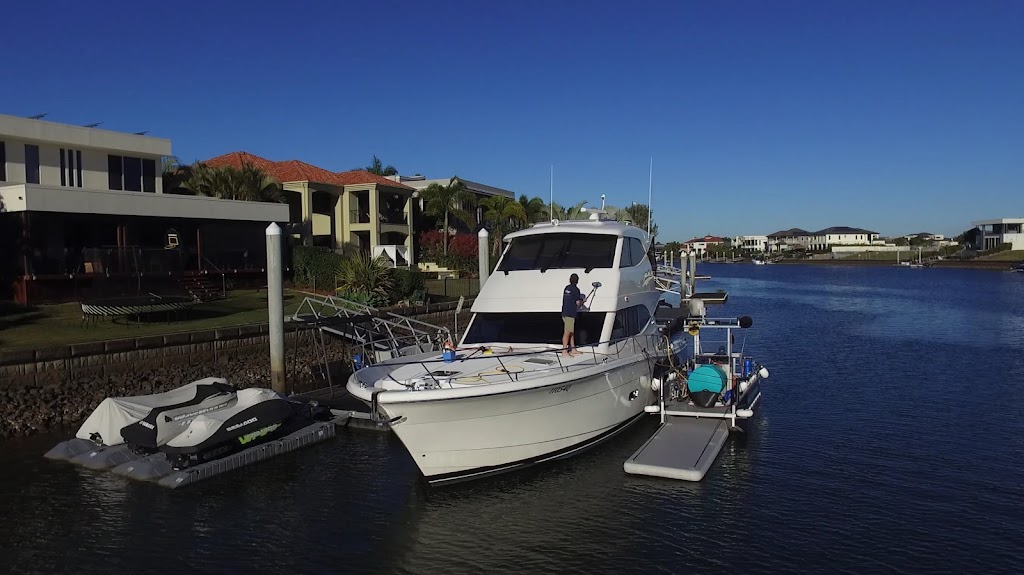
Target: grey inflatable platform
x,y
682,448
121,461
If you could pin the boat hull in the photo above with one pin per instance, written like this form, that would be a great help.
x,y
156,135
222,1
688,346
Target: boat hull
x,y
467,438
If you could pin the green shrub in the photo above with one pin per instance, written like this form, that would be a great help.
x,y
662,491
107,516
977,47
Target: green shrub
x,y
406,283
316,267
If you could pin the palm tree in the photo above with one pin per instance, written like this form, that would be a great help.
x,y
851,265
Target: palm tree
x,y
503,214
445,201
534,208
248,183
377,167
365,278
574,212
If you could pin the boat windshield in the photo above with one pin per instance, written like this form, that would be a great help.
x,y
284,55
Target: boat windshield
x,y
533,327
558,251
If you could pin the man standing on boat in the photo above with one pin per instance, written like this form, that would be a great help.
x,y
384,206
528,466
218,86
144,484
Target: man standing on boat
x,y
572,300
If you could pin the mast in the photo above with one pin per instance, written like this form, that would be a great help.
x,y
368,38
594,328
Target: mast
x,y
551,193
650,187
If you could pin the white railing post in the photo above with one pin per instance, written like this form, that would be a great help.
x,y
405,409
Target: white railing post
x,y
483,253
275,307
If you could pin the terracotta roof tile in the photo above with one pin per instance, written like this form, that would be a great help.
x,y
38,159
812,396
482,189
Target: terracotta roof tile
x,y
363,177
299,171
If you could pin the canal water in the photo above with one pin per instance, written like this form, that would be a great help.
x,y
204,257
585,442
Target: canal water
x,y
890,440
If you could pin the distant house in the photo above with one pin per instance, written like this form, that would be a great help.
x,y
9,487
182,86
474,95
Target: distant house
x,y
994,233
751,243
480,191
700,245
336,208
821,240
925,236
785,240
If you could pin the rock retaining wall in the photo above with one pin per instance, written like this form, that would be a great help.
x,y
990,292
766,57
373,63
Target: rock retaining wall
x,y
57,387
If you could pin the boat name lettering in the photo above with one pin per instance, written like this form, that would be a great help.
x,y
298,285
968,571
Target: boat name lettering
x,y
146,424
560,389
246,422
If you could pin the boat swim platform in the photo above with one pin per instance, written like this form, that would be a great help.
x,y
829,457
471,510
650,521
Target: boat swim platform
x,y
682,448
155,468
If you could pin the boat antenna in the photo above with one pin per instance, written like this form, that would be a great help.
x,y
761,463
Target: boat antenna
x,y
551,192
650,187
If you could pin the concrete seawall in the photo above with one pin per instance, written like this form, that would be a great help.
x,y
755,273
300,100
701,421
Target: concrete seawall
x,y
57,387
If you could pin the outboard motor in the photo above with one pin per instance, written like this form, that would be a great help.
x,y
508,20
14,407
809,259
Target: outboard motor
x,y
706,384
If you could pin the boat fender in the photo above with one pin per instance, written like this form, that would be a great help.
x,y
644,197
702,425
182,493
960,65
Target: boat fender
x,y
652,408
655,384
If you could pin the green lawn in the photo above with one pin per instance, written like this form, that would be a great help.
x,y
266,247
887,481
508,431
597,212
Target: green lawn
x,y
1007,256
62,324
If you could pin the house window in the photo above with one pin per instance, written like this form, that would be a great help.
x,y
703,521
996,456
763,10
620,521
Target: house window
x,y
149,176
3,163
31,164
114,168
131,174
70,168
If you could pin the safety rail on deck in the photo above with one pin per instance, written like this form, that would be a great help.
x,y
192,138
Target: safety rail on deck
x,y
619,345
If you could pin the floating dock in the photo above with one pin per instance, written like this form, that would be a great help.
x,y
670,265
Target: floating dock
x,y
682,448
157,469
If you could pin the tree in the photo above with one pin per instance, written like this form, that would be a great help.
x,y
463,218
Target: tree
x,y
575,212
503,214
638,213
969,237
534,208
174,173
673,247
377,167
448,201
249,183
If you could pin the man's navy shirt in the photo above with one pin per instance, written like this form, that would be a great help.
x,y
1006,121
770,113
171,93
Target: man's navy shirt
x,y
569,298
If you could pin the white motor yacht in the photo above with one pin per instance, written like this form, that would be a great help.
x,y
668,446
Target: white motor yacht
x,y
507,395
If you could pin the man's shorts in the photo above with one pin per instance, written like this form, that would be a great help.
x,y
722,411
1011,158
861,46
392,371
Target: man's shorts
x,y
570,324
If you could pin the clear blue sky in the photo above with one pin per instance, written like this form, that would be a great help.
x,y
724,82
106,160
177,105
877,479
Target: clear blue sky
x,y
895,116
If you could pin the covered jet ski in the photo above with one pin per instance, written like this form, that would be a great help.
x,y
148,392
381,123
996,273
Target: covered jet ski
x,y
146,421
258,415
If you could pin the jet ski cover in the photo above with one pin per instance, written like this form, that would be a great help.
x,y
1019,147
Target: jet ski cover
x,y
257,413
113,414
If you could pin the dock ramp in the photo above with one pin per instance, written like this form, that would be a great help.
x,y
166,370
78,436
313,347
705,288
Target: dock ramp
x,y
682,448
385,334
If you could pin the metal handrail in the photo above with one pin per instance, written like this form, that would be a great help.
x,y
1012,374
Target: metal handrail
x,y
223,277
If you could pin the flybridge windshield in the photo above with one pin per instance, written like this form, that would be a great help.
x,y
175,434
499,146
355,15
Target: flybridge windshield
x,y
554,251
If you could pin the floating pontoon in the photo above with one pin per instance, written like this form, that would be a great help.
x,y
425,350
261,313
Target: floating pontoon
x,y
700,402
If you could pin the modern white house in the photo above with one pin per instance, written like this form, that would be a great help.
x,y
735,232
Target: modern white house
x,y
79,202
751,243
994,233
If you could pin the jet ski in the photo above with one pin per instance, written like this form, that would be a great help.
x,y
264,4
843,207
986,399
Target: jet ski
x,y
258,415
147,421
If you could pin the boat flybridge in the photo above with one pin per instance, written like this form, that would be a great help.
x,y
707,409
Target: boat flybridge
x,y
508,395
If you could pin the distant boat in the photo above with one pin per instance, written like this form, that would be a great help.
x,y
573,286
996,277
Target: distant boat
x,y
758,262
1018,268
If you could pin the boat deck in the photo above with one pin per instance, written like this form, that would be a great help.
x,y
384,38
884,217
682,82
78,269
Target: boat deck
x,y
489,365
